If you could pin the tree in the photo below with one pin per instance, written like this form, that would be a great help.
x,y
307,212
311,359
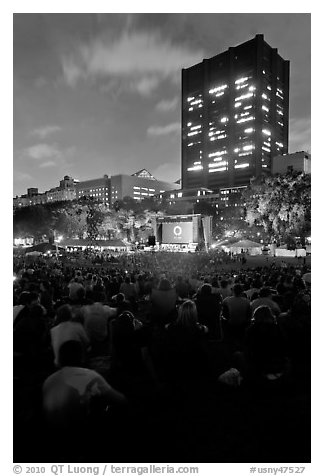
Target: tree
x,y
180,208
126,222
281,205
71,220
108,226
33,221
204,208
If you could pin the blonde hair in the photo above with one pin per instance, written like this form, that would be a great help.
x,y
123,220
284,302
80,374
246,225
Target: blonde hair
x,y
187,314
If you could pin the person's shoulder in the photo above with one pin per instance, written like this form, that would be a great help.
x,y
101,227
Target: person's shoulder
x,y
245,299
92,380
53,379
111,311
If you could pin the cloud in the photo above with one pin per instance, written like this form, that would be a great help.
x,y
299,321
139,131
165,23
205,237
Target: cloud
x,y
50,155
45,131
300,134
40,82
168,172
41,151
146,85
167,105
172,128
136,56
49,163
22,177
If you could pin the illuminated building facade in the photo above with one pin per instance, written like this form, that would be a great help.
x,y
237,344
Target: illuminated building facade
x,y
98,189
65,191
108,189
139,185
234,115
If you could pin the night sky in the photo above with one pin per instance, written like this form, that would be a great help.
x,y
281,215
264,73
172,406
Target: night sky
x,y
101,93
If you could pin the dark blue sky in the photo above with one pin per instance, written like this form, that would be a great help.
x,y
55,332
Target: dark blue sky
x,y
100,93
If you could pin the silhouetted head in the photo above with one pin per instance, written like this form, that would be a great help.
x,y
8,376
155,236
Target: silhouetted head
x,y
63,314
263,315
206,290
164,285
237,290
71,354
265,292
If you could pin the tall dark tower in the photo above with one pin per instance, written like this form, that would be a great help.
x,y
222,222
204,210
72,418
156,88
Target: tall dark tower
x,y
235,109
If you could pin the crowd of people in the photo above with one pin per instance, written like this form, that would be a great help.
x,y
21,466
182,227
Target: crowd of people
x,y
106,358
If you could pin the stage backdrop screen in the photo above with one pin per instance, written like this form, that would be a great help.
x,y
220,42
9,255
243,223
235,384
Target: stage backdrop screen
x,y
178,232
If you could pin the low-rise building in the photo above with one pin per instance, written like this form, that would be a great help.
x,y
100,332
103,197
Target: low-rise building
x,y
98,189
297,161
32,197
58,194
108,189
65,191
140,185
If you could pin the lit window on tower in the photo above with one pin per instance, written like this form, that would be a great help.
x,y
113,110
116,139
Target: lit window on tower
x,y
218,89
196,167
242,80
245,119
218,164
244,96
266,132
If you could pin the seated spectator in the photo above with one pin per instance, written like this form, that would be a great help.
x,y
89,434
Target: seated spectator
x,y
23,301
215,286
119,301
209,308
195,283
225,289
96,318
254,290
66,330
182,288
296,327
114,286
73,394
31,341
185,353
265,351
236,312
130,354
88,285
128,289
163,302
265,299
74,286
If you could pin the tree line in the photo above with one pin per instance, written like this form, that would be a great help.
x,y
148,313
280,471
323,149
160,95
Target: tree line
x,y
275,208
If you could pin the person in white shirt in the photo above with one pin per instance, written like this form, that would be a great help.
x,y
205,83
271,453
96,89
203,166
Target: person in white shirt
x,y
266,300
71,394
